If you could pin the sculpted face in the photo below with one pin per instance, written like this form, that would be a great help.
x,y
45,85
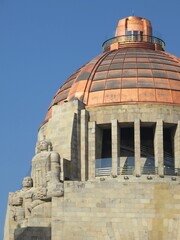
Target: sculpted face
x,y
43,145
27,182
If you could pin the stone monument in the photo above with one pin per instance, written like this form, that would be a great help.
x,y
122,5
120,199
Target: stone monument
x,y
115,122
35,197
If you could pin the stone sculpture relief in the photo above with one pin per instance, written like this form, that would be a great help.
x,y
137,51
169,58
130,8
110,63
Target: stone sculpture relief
x,y
43,184
17,200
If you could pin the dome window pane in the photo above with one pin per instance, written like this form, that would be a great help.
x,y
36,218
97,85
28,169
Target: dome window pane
x,y
115,74
144,73
159,74
100,75
129,73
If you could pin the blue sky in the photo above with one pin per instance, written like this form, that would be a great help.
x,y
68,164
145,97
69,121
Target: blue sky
x,y
42,42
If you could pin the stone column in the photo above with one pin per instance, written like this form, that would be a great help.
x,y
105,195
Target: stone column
x,y
137,147
158,147
84,145
115,146
177,146
91,149
62,169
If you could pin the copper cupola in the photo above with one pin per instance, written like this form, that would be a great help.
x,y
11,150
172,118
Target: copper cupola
x,y
134,31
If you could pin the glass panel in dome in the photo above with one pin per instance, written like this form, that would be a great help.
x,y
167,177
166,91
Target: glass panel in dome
x,y
161,83
118,60
114,73
97,86
103,68
113,84
159,74
83,76
178,68
170,68
129,73
106,62
129,82
144,73
116,66
130,65
145,82
100,75
143,65
173,75
130,59
157,66
61,96
67,85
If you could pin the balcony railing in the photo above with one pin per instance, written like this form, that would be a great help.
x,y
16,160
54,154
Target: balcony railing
x,y
133,38
149,170
103,171
129,170
103,167
126,170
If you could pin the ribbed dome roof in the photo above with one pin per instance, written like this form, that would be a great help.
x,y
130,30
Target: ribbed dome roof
x,y
129,74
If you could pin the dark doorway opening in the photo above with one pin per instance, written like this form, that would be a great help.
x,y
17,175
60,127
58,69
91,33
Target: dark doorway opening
x,y
168,148
147,150
103,164
126,150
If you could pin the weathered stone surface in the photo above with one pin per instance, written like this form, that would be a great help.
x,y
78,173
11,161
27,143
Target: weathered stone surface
x,y
31,206
33,233
116,209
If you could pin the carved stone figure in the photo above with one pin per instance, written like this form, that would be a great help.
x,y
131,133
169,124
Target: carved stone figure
x,y
40,188
45,174
43,162
17,200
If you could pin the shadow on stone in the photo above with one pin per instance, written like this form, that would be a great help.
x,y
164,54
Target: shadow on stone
x,y
33,233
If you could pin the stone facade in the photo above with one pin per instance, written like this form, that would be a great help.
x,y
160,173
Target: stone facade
x,y
138,206
30,207
77,164
118,209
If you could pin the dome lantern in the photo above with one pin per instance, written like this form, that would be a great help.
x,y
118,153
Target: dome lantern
x,y
134,31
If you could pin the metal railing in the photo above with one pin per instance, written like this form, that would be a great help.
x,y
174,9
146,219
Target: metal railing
x,y
103,167
126,170
129,170
133,38
146,170
103,171
170,171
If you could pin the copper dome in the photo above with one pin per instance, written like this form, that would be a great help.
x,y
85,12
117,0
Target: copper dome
x,y
135,70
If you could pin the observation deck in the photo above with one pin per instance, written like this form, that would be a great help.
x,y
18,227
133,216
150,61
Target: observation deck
x,y
134,40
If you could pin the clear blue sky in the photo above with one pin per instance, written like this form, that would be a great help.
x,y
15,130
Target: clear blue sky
x,y
42,42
